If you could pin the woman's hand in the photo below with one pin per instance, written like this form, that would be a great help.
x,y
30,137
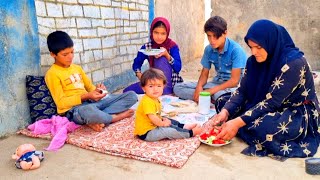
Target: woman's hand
x,y
230,128
165,53
220,118
214,121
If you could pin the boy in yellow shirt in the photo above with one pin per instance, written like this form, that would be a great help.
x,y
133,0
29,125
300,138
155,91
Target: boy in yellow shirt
x,y
149,125
74,94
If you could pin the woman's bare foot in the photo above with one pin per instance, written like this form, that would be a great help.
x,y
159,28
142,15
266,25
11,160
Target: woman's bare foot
x,y
197,130
96,126
190,126
122,115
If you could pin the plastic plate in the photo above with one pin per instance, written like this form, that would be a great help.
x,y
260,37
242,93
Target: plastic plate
x,y
215,145
151,52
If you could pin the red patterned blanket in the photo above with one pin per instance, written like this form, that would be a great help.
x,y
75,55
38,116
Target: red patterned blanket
x,y
117,139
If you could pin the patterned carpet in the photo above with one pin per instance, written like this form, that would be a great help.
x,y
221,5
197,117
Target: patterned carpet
x,y
117,139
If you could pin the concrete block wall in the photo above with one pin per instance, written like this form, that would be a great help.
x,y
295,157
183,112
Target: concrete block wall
x,y
186,19
19,56
300,18
107,35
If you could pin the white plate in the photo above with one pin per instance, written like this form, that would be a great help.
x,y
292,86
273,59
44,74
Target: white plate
x,y
151,52
214,145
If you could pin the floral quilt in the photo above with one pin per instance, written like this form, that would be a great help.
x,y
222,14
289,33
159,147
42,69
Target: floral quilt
x,y
117,139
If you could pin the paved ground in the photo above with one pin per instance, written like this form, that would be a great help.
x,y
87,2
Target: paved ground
x,y
207,162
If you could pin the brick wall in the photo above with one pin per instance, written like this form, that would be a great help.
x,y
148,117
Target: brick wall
x,y
107,35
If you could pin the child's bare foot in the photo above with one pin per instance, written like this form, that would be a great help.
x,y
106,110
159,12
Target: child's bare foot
x,y
197,130
190,126
96,126
122,115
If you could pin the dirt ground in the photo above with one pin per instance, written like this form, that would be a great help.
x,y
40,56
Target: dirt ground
x,y
207,162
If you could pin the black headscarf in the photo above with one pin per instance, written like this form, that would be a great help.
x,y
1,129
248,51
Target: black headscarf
x,y
281,49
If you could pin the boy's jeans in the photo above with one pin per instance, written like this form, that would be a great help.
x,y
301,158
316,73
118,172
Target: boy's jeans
x,y
186,90
101,111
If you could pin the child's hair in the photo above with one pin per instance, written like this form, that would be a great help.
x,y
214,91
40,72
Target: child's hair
x,y
58,41
150,74
159,24
217,25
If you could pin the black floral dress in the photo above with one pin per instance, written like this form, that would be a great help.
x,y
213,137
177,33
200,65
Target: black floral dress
x,y
286,122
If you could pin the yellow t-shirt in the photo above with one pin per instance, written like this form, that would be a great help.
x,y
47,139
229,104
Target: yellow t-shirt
x,y
66,86
146,106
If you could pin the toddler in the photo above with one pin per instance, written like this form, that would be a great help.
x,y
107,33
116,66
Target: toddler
x,y
149,125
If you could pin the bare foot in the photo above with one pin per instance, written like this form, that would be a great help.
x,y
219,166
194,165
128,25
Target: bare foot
x,y
190,126
197,130
96,126
122,115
